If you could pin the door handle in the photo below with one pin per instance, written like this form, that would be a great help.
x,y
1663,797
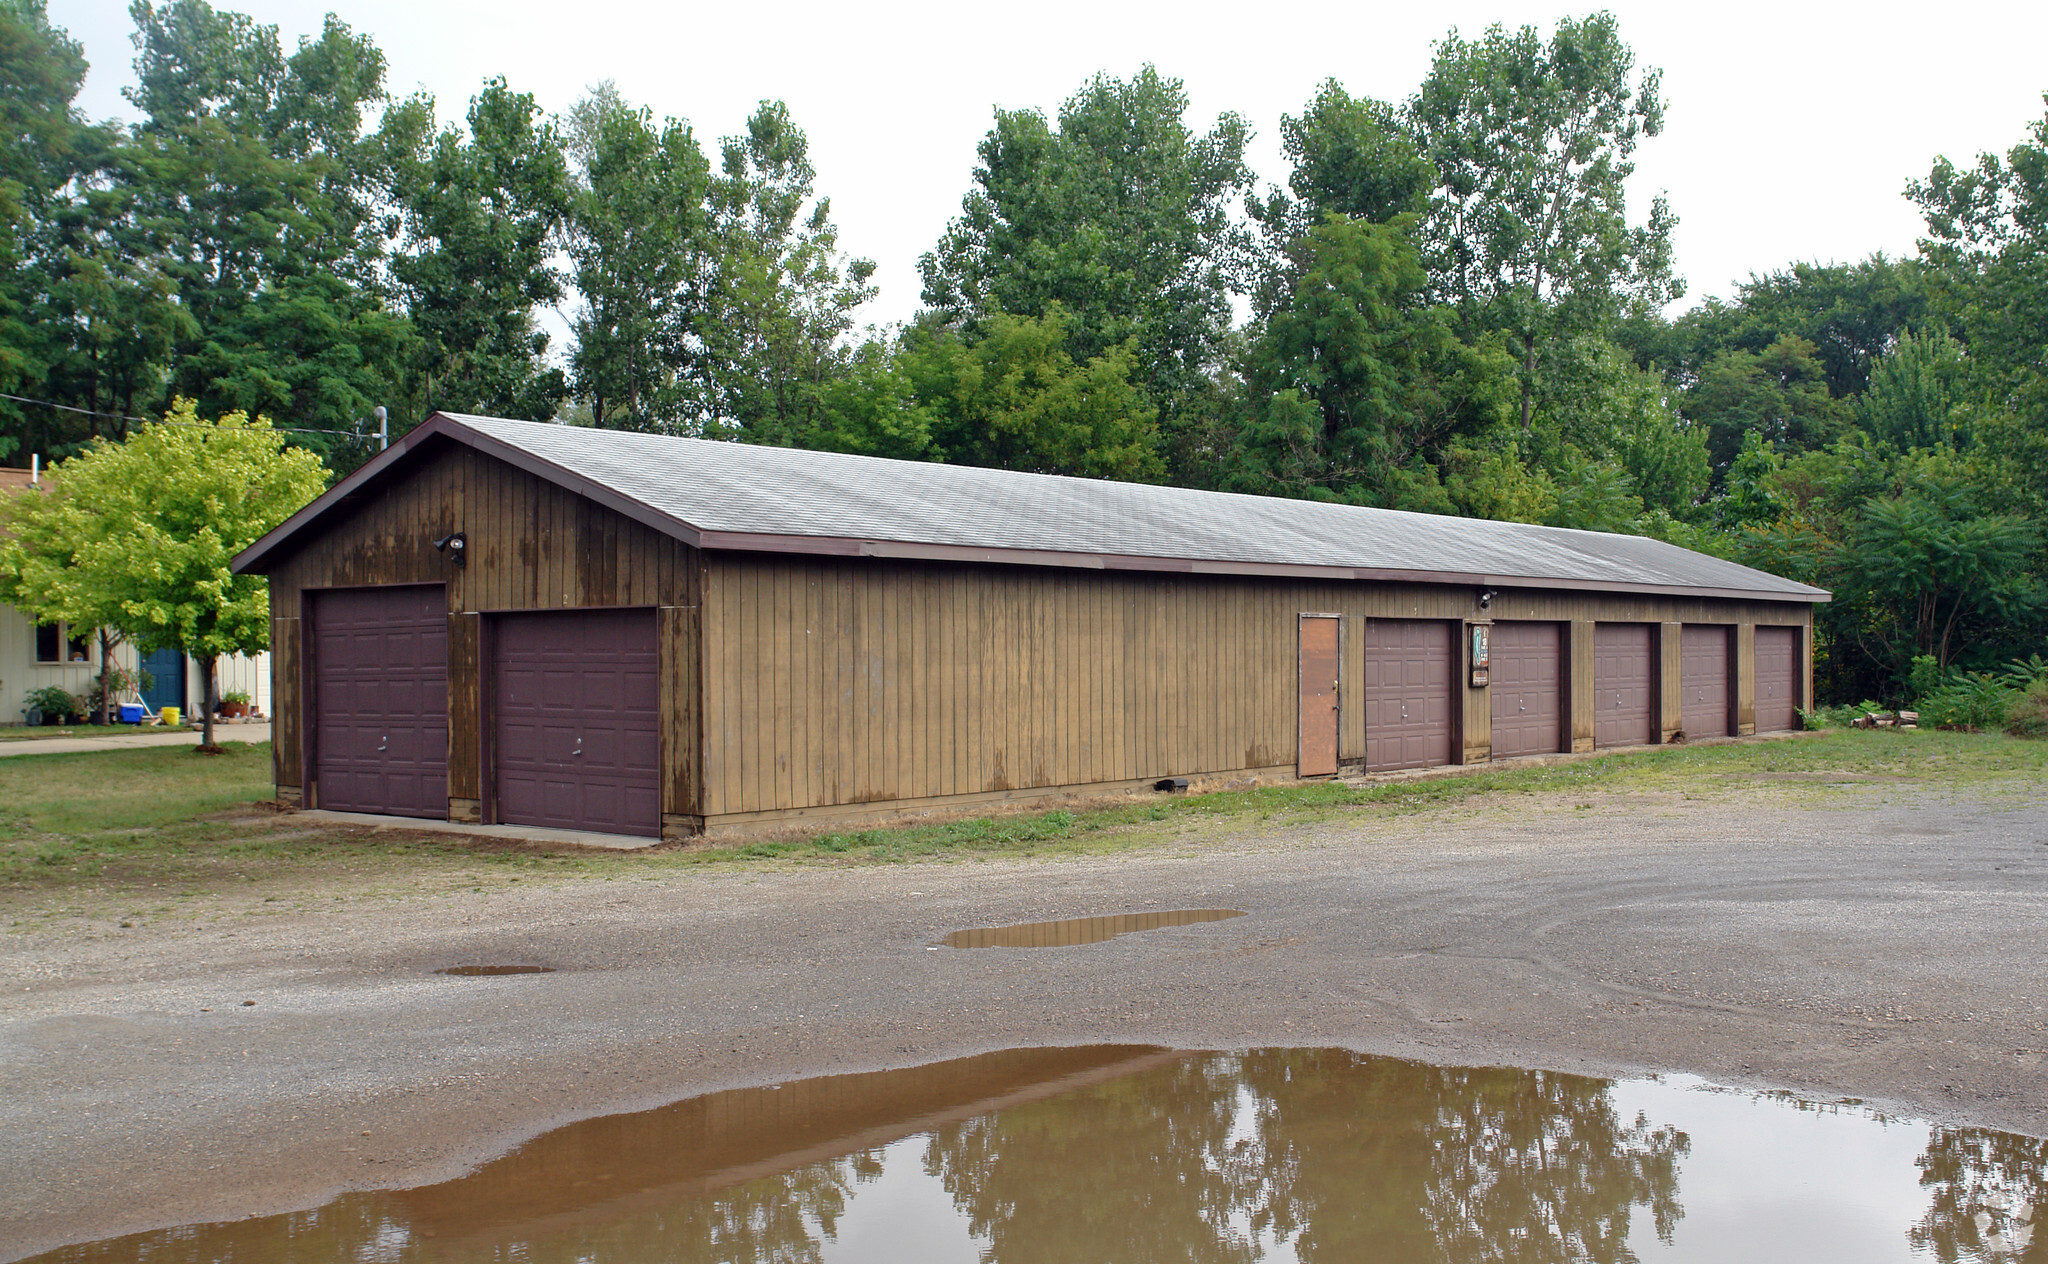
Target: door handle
x,y
386,742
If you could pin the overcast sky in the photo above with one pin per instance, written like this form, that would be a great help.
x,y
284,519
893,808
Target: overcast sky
x,y
1791,131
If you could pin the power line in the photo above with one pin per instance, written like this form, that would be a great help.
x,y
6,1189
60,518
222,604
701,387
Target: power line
x,y
159,421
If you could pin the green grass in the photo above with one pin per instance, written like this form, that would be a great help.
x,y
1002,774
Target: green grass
x,y
148,830
23,733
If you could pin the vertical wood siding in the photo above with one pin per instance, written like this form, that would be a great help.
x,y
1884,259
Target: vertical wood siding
x,y
849,681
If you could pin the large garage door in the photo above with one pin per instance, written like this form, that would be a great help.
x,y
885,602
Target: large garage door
x,y
1407,693
1703,680
1527,677
1777,679
576,719
380,700
1622,695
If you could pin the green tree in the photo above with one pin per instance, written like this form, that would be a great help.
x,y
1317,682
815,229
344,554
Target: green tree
x,y
1528,228
781,297
1350,156
249,185
1850,314
637,235
1354,387
1920,395
1779,393
139,534
1987,250
477,218
1015,399
1117,213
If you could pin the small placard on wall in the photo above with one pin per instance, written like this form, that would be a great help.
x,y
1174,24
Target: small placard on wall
x,y
1479,678
1481,660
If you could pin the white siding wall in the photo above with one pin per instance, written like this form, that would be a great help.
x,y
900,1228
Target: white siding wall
x,y
21,674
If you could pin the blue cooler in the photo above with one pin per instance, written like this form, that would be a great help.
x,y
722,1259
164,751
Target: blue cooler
x,y
131,713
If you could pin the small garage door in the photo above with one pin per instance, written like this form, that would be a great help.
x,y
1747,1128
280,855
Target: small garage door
x,y
576,721
380,701
1777,679
1703,680
1407,693
1622,696
1526,679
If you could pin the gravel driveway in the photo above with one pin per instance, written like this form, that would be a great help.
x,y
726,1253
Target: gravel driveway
x,y
1879,943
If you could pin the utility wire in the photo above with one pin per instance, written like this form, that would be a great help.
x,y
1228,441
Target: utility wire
x,y
147,421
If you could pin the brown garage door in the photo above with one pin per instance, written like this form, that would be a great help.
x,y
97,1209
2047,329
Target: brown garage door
x,y
1622,708
1703,680
1777,679
576,720
1527,676
380,701
1407,693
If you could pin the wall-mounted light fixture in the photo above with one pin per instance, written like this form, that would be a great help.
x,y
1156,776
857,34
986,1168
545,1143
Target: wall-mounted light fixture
x,y
454,544
1486,596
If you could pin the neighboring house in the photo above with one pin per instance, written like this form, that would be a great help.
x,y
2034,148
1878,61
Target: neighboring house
x,y
594,629
34,656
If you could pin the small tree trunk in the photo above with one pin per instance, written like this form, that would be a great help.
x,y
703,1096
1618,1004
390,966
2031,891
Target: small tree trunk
x,y
106,677
206,701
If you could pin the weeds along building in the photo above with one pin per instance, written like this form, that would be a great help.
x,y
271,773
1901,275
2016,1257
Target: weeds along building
x,y
513,622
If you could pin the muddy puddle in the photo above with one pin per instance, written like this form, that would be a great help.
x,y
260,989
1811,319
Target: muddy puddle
x,y
1071,931
1120,1155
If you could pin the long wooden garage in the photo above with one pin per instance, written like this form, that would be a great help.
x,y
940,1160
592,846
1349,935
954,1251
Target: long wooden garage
x,y
533,624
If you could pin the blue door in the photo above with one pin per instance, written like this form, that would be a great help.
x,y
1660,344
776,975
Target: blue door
x,y
168,687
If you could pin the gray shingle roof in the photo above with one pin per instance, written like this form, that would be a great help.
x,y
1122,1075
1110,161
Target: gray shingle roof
x,y
739,496
744,489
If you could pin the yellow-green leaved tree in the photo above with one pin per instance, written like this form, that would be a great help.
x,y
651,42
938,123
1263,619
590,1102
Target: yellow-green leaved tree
x,y
139,535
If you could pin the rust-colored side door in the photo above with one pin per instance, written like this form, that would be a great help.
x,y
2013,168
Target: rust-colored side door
x,y
1527,685
1777,679
1624,710
1408,692
1319,667
576,720
380,700
1705,698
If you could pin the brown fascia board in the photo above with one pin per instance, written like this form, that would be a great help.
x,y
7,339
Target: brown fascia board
x,y
442,426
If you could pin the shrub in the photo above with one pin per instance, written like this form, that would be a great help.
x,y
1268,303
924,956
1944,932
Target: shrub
x,y
54,700
2028,714
1968,700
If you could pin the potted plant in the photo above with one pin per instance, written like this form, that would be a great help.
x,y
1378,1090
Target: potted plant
x,y
234,704
54,704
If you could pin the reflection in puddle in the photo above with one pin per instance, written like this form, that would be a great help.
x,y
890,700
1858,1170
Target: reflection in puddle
x,y
1080,930
1128,1154
470,972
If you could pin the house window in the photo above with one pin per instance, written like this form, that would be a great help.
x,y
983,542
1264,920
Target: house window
x,y
53,645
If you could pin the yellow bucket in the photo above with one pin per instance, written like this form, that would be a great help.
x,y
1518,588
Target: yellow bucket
x,y
171,715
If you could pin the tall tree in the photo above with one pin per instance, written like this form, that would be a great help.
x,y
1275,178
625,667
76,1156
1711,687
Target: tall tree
x,y
1355,389
1528,229
781,296
477,217
1987,247
638,237
1119,214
